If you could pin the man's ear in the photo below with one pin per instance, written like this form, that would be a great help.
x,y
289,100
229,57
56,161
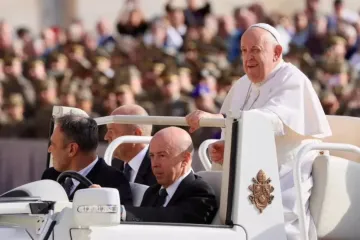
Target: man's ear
x,y
73,149
278,52
186,159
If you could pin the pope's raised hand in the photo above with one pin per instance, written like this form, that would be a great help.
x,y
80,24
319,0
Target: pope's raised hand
x,y
216,152
193,119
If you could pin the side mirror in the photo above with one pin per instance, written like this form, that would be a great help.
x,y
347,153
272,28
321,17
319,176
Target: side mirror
x,y
96,207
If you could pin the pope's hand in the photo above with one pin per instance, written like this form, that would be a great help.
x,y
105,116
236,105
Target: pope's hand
x,y
193,119
95,186
216,152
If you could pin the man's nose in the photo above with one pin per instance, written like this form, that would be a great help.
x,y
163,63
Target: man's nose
x,y
106,137
155,163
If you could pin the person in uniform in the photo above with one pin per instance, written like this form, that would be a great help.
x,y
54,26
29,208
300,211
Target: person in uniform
x,y
284,95
14,125
15,82
174,104
84,101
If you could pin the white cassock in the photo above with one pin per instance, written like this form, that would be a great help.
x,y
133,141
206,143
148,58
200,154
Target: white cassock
x,y
289,101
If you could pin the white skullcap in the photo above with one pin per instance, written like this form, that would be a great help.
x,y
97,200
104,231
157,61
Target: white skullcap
x,y
268,28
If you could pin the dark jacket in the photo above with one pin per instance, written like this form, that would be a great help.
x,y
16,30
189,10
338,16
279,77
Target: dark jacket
x,y
144,176
103,175
193,202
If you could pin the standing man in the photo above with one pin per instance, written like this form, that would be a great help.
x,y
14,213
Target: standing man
x,y
131,158
73,147
284,95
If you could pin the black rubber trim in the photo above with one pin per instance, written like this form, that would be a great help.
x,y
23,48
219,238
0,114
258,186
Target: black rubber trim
x,y
51,228
175,224
232,172
6,199
41,207
15,194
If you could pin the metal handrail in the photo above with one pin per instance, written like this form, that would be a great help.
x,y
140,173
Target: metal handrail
x,y
158,120
202,153
297,175
120,140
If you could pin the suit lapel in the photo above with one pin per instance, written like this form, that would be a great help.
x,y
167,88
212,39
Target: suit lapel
x,y
144,169
182,187
150,201
118,164
92,175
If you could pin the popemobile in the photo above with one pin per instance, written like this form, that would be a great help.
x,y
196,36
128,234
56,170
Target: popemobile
x,y
247,189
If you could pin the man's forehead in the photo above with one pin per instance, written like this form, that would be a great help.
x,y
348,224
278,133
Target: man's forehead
x,y
113,125
57,133
251,37
159,145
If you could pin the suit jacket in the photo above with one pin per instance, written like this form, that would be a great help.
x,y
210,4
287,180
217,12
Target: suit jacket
x,y
193,202
103,175
144,176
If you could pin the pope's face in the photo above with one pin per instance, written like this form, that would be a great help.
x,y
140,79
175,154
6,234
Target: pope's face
x,y
259,54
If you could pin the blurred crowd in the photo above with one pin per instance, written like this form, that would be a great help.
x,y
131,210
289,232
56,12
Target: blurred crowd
x,y
170,65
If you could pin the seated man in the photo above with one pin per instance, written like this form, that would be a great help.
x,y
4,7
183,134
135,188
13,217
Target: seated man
x,y
132,159
179,196
73,147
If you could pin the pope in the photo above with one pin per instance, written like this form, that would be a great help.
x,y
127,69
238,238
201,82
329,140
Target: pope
x,y
284,95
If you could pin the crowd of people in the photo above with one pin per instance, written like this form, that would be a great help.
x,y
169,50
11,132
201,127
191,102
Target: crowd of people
x,y
171,65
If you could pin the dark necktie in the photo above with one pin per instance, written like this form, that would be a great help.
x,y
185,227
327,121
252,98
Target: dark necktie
x,y
68,184
161,198
127,171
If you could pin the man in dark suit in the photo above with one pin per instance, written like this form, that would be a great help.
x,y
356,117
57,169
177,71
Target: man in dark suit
x,y
132,159
179,196
73,147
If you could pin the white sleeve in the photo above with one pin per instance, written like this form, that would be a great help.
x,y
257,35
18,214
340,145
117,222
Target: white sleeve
x,y
277,124
226,107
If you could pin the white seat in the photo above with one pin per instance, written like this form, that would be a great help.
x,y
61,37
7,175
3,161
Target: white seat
x,y
213,178
137,191
342,128
335,198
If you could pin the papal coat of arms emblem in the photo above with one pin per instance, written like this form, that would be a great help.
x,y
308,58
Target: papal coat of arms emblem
x,y
261,191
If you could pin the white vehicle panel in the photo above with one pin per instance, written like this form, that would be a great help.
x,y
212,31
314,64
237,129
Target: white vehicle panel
x,y
13,233
158,232
257,153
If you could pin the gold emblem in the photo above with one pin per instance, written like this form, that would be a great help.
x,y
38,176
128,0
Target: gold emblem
x,y
261,191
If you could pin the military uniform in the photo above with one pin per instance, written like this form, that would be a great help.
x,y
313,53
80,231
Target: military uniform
x,y
180,106
13,126
84,100
19,84
43,114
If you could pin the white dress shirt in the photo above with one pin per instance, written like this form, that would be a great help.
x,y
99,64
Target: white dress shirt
x,y
135,163
85,171
173,187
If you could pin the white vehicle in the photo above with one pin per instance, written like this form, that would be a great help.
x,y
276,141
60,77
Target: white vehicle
x,y
248,191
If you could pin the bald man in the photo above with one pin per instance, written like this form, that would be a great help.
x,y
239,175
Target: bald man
x,y
179,196
284,95
132,159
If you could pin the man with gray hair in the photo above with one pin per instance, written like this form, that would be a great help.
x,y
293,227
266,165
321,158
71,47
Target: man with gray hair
x,y
132,159
73,146
283,94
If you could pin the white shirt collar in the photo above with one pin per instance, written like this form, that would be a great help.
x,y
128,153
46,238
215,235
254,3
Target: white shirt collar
x,y
135,163
84,172
173,187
